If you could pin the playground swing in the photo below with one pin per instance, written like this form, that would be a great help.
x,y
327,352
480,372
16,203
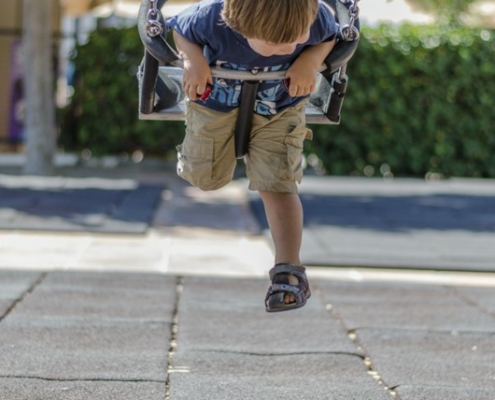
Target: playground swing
x,y
160,74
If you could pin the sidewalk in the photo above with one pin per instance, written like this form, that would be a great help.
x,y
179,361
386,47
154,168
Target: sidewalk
x,y
174,310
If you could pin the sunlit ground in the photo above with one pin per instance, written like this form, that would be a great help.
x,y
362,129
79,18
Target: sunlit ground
x,y
426,277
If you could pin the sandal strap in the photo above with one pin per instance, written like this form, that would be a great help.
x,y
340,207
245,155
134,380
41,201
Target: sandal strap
x,y
299,290
294,269
283,287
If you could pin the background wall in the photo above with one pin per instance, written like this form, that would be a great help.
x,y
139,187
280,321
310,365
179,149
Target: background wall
x,y
10,31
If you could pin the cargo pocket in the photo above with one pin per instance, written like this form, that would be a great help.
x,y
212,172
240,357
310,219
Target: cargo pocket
x,y
195,160
294,143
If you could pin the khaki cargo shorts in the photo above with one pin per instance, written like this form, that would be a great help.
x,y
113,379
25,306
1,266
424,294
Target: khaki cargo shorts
x,y
206,158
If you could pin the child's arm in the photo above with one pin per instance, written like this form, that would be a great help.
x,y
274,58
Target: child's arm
x,y
197,72
302,72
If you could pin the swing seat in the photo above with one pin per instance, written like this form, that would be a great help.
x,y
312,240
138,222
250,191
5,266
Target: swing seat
x,y
175,110
160,74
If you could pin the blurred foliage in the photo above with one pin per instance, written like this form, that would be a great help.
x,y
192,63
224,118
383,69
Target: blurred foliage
x,y
103,114
419,101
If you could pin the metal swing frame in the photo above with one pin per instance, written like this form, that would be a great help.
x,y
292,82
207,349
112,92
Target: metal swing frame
x,y
160,73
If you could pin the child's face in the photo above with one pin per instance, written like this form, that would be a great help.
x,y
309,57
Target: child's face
x,y
269,49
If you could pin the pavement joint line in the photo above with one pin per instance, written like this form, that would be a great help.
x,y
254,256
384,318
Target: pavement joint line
x,y
26,293
470,302
48,379
354,339
367,361
174,330
295,353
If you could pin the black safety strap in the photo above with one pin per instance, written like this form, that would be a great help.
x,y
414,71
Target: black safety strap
x,y
335,74
148,72
244,121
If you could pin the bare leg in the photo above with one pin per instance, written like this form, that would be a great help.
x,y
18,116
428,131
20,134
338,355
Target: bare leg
x,y
285,217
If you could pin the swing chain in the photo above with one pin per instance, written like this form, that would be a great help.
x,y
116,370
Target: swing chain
x,y
349,32
154,27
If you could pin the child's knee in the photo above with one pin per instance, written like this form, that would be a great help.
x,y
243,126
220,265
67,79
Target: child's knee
x,y
202,184
205,186
199,172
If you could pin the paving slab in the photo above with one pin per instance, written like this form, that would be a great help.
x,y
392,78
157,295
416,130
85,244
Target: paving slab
x,y
405,305
38,389
462,360
336,246
439,392
481,298
13,286
101,297
72,349
228,376
90,326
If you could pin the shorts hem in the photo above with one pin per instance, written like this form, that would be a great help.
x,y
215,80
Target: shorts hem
x,y
277,187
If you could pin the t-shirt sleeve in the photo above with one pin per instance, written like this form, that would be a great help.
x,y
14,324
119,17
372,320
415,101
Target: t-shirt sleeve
x,y
192,23
325,28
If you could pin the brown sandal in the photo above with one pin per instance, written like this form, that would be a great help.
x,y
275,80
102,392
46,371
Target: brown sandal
x,y
279,275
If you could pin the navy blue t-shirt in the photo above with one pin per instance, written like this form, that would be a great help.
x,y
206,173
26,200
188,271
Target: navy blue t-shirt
x,y
223,47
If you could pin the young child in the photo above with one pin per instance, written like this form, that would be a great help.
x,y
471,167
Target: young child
x,y
255,35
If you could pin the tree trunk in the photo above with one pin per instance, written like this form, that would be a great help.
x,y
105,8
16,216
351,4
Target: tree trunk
x,y
39,87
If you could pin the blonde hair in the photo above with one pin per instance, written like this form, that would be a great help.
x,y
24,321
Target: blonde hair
x,y
273,21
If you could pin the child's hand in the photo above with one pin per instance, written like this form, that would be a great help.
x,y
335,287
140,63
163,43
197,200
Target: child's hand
x,y
303,71
197,73
301,77
197,76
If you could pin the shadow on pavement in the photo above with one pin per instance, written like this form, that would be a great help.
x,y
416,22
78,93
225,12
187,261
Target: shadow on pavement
x,y
439,212
89,205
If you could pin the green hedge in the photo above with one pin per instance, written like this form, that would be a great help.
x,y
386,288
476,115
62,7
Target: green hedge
x,y
420,100
103,115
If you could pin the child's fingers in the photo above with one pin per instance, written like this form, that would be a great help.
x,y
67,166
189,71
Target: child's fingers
x,y
194,87
194,90
298,85
200,88
298,89
293,89
190,90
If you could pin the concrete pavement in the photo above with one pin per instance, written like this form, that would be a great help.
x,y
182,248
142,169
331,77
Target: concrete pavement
x,y
174,309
